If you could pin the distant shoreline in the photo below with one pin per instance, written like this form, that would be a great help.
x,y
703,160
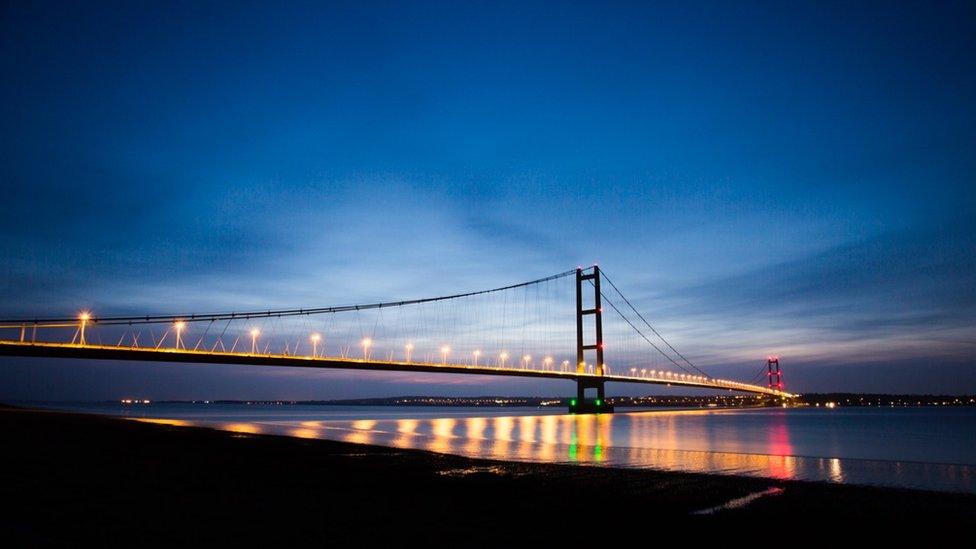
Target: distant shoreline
x,y
655,401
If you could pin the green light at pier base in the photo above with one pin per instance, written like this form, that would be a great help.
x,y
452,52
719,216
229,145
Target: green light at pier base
x,y
572,402
598,402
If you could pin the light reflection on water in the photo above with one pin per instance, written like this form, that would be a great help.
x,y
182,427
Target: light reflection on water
x,y
754,443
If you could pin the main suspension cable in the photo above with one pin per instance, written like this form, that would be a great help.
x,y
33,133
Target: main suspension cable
x,y
636,329
648,324
197,317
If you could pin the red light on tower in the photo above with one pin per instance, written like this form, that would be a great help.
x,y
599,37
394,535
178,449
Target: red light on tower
x,y
774,373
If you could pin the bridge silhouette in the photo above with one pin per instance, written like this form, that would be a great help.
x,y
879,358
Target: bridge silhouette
x,y
469,333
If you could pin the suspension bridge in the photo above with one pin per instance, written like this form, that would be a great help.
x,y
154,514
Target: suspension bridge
x,y
524,329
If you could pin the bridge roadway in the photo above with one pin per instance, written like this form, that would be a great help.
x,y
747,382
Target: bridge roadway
x,y
110,352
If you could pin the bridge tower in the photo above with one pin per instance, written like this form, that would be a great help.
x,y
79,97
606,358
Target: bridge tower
x,y
775,374
582,404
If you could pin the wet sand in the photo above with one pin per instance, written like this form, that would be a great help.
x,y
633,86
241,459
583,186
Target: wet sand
x,y
77,479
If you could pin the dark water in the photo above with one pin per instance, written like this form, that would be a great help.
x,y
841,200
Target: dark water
x,y
930,448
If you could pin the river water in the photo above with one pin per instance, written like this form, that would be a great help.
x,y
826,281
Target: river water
x,y
931,448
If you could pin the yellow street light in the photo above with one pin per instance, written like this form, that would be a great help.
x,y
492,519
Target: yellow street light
x,y
547,362
444,352
178,326
84,317
525,361
409,349
366,343
502,358
476,354
254,340
315,344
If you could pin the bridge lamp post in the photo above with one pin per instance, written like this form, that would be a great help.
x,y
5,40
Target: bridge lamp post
x,y
643,372
254,340
502,358
84,317
547,362
633,371
525,361
476,354
565,365
367,343
408,350
315,344
178,326
445,350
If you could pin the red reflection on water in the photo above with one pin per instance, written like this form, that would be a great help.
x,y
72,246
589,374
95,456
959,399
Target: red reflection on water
x,y
782,464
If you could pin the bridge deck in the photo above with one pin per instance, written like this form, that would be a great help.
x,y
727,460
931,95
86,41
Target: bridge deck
x,y
108,352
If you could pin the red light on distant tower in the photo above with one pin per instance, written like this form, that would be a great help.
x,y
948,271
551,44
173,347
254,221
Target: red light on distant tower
x,y
774,373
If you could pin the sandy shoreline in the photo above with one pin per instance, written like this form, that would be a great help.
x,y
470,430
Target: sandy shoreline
x,y
81,478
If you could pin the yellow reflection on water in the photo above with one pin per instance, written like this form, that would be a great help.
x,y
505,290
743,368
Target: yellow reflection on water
x,y
173,422
362,432
475,429
502,428
407,426
527,428
304,432
549,429
364,424
527,451
548,438
407,430
443,427
584,430
250,428
567,431
358,437
442,430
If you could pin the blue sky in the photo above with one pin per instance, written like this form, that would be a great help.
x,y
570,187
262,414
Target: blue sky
x,y
758,178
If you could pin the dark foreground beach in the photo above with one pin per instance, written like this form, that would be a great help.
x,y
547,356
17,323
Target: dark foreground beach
x,y
72,479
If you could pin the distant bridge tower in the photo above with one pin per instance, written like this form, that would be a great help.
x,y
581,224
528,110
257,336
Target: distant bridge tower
x,y
775,374
582,404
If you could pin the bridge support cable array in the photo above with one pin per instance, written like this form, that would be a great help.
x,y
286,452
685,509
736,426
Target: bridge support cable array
x,y
520,329
653,330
